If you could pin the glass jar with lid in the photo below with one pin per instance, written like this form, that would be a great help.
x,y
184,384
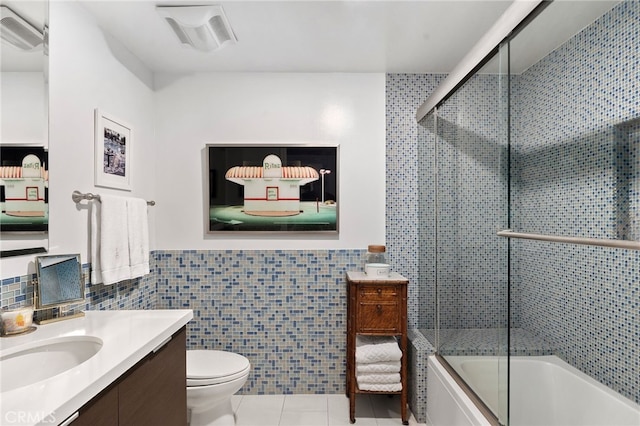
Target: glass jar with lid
x,y
375,262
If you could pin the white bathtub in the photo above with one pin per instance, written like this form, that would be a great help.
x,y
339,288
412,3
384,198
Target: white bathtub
x,y
545,391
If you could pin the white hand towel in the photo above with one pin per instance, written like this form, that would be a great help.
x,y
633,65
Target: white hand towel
x,y
378,367
380,379
377,348
109,231
96,267
396,387
138,236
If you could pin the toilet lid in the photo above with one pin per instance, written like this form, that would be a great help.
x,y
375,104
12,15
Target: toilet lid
x,y
209,364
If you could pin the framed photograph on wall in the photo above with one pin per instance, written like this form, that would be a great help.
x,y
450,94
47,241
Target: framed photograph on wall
x,y
112,152
24,189
272,188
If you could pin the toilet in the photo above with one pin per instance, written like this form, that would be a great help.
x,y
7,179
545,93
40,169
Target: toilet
x,y
212,377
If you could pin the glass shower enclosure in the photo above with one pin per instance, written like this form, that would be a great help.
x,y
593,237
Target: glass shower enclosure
x,y
550,149
471,163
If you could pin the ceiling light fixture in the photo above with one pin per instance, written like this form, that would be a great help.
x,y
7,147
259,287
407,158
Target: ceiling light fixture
x,y
18,32
205,28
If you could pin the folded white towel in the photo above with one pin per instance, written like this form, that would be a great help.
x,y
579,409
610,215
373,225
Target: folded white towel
x,y
109,243
380,379
396,387
377,348
378,367
138,225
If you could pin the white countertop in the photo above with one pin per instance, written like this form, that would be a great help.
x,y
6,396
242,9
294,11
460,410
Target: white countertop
x,y
362,276
127,337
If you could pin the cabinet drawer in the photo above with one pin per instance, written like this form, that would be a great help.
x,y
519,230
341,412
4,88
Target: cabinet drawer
x,y
378,293
383,317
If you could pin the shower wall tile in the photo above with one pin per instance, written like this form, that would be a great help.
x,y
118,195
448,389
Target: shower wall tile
x,y
576,173
285,310
410,199
420,348
472,206
471,272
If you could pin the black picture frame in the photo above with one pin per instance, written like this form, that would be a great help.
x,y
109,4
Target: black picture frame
x,y
24,189
249,190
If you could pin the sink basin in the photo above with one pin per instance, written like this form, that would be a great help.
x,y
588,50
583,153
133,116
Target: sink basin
x,y
33,362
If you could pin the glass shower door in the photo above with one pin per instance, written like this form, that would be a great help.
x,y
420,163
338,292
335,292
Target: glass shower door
x,y
472,162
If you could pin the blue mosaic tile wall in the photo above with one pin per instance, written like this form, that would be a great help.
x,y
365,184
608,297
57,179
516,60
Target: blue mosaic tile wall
x,y
576,155
472,196
576,173
471,270
410,198
420,348
139,293
285,310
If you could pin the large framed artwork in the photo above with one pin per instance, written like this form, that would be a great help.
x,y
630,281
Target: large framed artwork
x,y
24,189
272,188
112,152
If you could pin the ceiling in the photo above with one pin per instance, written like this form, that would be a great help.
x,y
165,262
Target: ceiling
x,y
394,36
311,36
419,36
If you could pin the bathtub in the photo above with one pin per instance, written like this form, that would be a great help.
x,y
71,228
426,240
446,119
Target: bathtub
x,y
545,391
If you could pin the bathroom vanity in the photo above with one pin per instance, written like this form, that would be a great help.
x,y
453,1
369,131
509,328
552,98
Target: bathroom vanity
x,y
109,367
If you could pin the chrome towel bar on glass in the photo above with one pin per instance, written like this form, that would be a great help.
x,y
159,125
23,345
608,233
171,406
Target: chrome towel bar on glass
x,y
78,196
626,244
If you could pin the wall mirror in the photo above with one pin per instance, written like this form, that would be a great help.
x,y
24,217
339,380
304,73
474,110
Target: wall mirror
x,y
59,281
24,124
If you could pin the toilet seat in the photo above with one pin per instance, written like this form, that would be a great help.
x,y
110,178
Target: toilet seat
x,y
209,367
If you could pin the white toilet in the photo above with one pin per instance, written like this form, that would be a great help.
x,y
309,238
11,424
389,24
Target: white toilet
x,y
212,377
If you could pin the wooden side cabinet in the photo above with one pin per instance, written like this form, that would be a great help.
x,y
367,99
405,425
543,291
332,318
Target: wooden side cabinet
x,y
376,307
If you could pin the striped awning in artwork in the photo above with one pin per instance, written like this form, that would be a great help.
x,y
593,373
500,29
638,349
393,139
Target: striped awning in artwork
x,y
248,172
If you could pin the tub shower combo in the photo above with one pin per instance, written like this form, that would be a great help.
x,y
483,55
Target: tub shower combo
x,y
535,256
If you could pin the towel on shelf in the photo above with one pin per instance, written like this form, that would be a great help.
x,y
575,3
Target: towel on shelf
x,y
380,379
376,387
371,349
109,241
138,238
378,367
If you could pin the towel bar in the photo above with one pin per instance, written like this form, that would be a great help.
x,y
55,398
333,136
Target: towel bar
x,y
78,196
626,244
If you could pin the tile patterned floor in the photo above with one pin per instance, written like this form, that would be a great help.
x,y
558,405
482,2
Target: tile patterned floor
x,y
317,410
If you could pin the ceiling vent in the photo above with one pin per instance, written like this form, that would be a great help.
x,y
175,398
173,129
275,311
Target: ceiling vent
x,y
205,28
18,32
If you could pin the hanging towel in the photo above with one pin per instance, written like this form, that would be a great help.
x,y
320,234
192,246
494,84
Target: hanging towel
x,y
396,387
380,379
96,267
378,367
377,348
109,241
138,236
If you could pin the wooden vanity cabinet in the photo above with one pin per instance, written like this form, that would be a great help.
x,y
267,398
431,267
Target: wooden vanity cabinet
x,y
101,410
153,392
